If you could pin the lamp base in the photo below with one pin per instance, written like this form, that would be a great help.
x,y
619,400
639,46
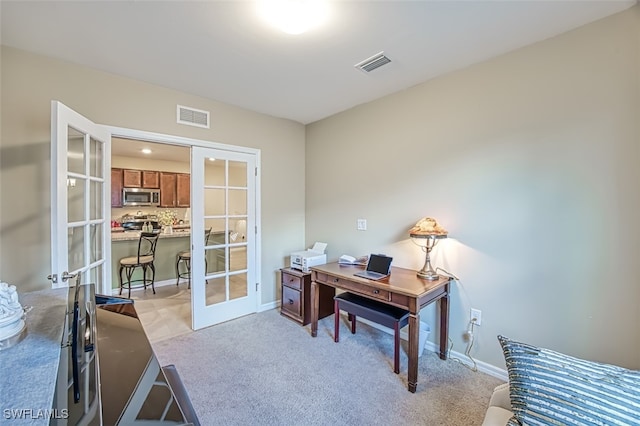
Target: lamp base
x,y
428,275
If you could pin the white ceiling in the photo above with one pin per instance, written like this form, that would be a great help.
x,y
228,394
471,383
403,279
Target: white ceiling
x,y
223,51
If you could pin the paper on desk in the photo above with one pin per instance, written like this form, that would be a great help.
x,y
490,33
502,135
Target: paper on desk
x,y
319,247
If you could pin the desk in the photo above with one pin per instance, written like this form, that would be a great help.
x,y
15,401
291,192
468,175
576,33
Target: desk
x,y
402,288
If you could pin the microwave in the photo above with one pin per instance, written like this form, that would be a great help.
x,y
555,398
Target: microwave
x,y
140,197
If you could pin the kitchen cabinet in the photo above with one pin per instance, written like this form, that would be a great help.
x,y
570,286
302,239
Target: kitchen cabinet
x,y
183,190
175,189
168,189
141,178
150,179
132,178
116,187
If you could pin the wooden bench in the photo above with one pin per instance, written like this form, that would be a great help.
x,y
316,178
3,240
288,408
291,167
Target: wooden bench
x,y
378,312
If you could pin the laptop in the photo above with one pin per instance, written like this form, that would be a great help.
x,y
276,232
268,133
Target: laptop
x,y
378,267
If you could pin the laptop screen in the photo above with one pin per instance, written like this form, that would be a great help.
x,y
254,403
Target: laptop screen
x,y
379,263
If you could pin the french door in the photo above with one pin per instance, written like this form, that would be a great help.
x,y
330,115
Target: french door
x,y
80,203
223,235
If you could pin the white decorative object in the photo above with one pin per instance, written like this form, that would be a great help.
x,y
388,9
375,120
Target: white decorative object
x,y
11,316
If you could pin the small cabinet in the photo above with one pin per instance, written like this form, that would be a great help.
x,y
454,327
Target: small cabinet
x,y
132,178
183,190
150,179
168,194
296,296
140,178
116,187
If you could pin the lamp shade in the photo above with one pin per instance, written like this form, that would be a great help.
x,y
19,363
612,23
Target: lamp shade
x,y
427,227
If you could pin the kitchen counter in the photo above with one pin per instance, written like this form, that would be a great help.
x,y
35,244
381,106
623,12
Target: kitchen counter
x,y
30,368
135,235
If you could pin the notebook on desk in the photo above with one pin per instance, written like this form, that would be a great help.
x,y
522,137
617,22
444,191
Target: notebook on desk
x,y
377,268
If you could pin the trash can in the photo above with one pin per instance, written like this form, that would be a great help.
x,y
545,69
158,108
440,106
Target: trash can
x,y
422,336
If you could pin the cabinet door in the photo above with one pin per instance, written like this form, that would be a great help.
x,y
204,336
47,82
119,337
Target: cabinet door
x,y
167,189
116,187
132,178
150,179
183,190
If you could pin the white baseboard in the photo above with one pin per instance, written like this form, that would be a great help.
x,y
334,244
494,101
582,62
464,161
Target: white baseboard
x,y
483,367
269,306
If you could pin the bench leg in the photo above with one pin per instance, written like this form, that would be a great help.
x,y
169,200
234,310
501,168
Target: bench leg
x,y
353,324
336,321
396,348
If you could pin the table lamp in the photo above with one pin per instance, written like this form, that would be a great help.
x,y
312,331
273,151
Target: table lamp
x,y
426,234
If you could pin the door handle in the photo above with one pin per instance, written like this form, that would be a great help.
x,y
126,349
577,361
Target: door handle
x,y
53,278
67,276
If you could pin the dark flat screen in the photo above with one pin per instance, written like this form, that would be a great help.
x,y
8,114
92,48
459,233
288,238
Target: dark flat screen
x,y
379,263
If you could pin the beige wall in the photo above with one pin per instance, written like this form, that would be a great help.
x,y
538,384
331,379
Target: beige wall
x,y
30,82
530,160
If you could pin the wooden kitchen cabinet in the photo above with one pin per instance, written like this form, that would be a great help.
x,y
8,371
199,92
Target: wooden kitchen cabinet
x,y
150,179
116,187
140,178
183,190
132,178
168,189
295,301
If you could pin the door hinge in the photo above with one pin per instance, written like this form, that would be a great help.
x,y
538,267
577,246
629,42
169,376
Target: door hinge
x,y
257,284
256,172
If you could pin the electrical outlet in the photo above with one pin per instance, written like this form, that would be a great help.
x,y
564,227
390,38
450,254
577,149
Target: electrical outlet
x,y
361,224
477,314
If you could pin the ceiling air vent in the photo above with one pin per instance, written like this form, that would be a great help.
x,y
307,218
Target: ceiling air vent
x,y
370,64
193,117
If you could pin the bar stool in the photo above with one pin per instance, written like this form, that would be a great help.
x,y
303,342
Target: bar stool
x,y
383,314
143,259
184,257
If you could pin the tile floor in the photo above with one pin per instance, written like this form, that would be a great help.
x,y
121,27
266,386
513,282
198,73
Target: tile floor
x,y
165,314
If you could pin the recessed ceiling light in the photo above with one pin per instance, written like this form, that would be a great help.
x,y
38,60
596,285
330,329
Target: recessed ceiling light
x,y
212,159
146,151
294,16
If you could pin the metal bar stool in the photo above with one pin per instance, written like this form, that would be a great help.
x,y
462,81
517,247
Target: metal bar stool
x,y
184,257
383,314
143,259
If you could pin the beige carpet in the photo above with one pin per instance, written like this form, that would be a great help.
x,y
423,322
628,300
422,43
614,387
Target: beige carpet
x,y
264,369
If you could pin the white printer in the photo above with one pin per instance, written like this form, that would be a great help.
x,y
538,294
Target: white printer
x,y
303,260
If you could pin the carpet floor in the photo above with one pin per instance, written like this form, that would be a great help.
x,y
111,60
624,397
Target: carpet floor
x,y
264,369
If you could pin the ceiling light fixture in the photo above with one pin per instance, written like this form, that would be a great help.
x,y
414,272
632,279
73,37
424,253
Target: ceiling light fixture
x,y
294,16
146,151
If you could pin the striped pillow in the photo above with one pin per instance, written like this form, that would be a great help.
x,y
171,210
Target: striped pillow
x,y
549,388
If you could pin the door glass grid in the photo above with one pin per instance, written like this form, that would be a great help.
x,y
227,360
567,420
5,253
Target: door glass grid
x,y
85,212
225,205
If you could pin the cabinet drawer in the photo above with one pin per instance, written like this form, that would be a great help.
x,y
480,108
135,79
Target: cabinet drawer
x,y
291,301
291,281
354,287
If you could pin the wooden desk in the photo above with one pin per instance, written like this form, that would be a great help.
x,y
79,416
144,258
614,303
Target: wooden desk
x,y
402,288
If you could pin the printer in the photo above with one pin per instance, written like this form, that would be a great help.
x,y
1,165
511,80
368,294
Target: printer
x,y
303,260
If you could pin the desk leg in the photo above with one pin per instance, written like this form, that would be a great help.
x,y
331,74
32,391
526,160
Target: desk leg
x,y
315,308
444,324
414,329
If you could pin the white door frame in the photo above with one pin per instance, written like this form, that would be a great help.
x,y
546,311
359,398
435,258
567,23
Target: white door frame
x,y
142,135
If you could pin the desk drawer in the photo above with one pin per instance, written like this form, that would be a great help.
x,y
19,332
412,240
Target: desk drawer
x,y
291,301
354,287
291,281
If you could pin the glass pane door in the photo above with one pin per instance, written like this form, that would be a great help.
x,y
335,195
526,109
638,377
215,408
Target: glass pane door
x,y
224,197
80,210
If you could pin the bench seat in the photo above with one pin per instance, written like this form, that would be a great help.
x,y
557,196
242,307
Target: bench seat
x,y
378,312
